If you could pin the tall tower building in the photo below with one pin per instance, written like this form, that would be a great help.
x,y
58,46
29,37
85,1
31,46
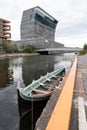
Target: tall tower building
x,y
38,29
36,23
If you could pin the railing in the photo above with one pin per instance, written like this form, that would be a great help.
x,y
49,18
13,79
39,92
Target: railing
x,y
60,118
61,50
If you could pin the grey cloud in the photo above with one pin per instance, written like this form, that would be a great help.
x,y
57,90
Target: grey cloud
x,y
71,30
71,14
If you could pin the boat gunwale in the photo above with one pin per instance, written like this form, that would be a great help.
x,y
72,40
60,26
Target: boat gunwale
x,y
38,81
32,97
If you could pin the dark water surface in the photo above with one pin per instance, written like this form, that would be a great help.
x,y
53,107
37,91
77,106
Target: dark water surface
x,y
23,69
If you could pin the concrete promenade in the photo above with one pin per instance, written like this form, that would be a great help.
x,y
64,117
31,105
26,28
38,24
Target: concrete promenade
x,y
78,119
79,107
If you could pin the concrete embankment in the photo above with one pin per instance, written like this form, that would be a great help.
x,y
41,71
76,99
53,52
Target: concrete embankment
x,y
16,55
78,119
47,111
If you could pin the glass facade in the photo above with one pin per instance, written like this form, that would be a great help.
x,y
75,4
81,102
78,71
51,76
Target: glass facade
x,y
43,18
46,21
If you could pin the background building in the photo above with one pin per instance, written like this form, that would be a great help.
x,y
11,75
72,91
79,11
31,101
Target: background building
x,y
38,29
4,30
36,23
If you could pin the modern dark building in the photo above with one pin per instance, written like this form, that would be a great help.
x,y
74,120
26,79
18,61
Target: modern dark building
x,y
4,30
38,29
36,23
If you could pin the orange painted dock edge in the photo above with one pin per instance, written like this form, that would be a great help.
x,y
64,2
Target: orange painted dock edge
x,y
60,118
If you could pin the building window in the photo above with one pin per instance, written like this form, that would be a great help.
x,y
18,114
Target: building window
x,y
46,21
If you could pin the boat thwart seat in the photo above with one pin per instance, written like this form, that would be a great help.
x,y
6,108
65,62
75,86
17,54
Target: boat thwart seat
x,y
40,91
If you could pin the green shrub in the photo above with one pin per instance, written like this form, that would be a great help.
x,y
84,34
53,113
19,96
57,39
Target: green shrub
x,y
29,48
85,46
82,52
10,48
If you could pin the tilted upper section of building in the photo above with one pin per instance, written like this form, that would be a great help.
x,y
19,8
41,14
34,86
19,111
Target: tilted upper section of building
x,y
43,17
37,23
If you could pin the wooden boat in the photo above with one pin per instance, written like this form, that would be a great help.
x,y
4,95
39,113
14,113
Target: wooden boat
x,y
39,90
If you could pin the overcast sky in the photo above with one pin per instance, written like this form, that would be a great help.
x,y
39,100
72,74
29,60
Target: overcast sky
x,y
71,14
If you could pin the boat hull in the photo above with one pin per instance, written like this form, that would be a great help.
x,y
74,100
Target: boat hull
x,y
26,103
26,106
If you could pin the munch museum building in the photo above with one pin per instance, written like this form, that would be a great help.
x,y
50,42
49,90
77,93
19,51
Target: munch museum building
x,y
38,29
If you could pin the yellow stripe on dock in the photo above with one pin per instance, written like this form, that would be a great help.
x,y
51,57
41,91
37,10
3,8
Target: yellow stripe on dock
x,y
60,118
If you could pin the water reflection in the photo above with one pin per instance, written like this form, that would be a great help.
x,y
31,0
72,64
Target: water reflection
x,y
24,69
6,76
33,68
63,60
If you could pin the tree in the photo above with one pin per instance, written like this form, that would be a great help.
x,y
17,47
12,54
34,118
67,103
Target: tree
x,y
10,48
29,48
85,46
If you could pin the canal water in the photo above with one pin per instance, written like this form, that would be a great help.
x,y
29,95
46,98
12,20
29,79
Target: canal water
x,y
23,69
